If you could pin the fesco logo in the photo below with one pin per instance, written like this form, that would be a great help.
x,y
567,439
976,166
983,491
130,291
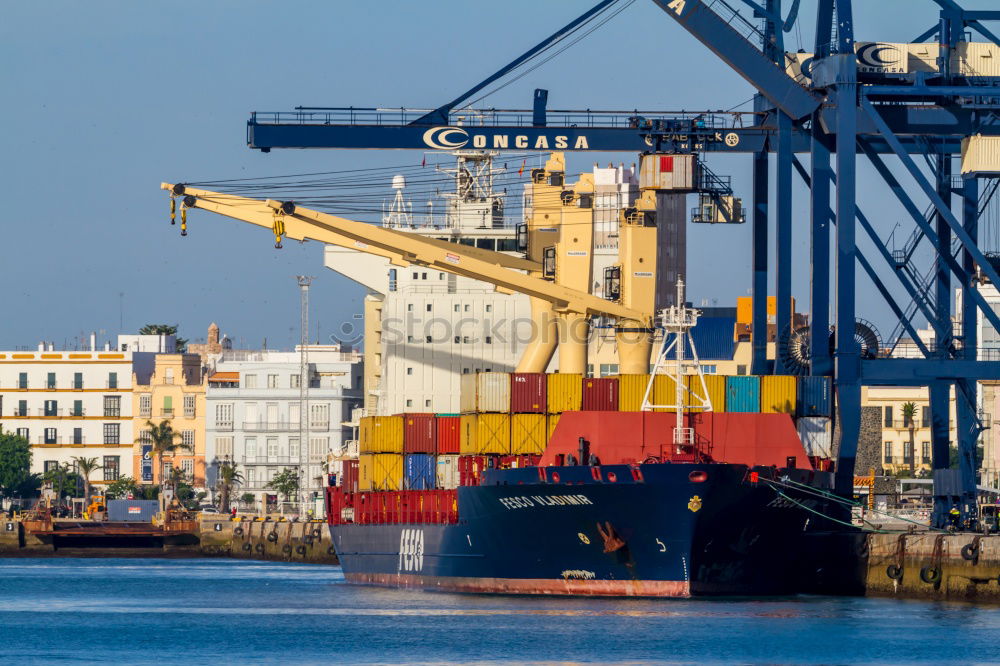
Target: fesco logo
x,y
411,550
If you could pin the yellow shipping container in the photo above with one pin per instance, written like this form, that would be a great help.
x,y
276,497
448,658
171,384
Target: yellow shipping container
x,y
381,434
565,392
664,393
380,471
631,389
528,434
485,434
553,421
777,394
716,385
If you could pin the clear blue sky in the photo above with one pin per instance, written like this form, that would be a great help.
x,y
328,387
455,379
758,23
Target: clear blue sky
x,y
103,100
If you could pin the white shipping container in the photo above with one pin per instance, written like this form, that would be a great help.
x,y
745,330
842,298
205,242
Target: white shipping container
x,y
981,155
485,392
667,172
447,472
816,433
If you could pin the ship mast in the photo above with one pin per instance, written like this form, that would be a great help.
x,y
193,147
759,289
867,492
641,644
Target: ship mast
x,y
677,322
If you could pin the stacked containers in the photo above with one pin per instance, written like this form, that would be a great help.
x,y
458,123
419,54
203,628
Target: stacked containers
x,y
380,471
743,393
381,434
485,434
419,471
565,392
419,433
449,431
446,474
631,391
485,392
777,394
716,385
665,393
528,392
816,433
528,434
349,476
600,394
815,396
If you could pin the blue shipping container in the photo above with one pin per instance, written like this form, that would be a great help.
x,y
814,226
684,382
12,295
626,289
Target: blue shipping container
x,y
132,511
743,393
815,396
419,471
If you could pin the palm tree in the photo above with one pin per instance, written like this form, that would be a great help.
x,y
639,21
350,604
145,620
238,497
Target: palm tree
x,y
910,421
86,466
229,476
164,439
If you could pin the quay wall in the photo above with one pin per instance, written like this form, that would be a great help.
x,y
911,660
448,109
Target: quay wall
x,y
267,540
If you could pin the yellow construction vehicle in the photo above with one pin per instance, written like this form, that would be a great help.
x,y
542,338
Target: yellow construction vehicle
x,y
97,505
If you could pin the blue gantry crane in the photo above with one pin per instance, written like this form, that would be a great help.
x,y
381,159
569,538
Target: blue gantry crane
x,y
927,101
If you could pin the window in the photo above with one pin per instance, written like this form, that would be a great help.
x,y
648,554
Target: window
x,y
925,453
188,467
189,402
77,408
145,405
467,308
224,415
409,307
423,276
318,446
251,381
78,435
416,276
51,408
111,468
393,279
458,308
22,432
112,380
925,417
409,371
271,473
293,448
888,453
427,403
908,453
50,465
489,308
489,339
251,447
22,408
50,381
409,338
741,369
709,369
251,476
409,403
50,435
168,376
429,339
465,371
465,339
78,380
22,380
112,405
272,448
111,433
168,406
430,308
319,416
294,414
458,339
887,419
295,381
272,381
168,470
187,439
224,447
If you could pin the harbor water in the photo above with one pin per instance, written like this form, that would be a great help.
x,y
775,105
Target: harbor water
x,y
140,611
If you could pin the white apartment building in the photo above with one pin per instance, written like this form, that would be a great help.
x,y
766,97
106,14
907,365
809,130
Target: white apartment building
x,y
71,404
253,414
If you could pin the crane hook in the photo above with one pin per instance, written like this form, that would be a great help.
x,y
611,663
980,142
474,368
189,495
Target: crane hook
x,y
173,211
279,229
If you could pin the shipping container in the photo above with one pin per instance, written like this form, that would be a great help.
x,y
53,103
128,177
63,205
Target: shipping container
x,y
631,390
716,385
553,421
667,172
381,434
816,433
449,434
349,480
743,393
419,433
470,468
485,392
446,474
665,393
132,511
815,396
600,395
485,434
419,471
565,392
528,392
777,394
380,471
528,434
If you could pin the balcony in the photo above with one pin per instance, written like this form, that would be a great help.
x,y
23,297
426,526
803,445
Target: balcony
x,y
223,425
41,439
271,460
167,413
319,425
272,426
43,413
916,424
112,413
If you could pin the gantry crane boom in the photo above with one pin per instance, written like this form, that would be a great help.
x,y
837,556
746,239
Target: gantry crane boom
x,y
496,268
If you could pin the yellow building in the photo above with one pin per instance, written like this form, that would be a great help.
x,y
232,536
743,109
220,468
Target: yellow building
x,y
906,442
175,392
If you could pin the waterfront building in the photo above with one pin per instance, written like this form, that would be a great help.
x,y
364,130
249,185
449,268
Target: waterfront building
x,y
76,403
174,391
254,416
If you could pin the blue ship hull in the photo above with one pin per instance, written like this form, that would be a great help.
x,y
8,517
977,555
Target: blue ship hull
x,y
653,530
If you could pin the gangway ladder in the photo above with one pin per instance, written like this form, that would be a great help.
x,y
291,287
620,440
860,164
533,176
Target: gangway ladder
x,y
677,322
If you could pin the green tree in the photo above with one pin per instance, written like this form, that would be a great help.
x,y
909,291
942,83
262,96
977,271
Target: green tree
x,y
164,439
229,476
285,482
85,467
247,499
63,480
165,329
910,422
15,463
121,488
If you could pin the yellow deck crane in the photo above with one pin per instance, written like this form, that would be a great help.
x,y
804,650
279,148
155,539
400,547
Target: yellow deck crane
x,y
557,236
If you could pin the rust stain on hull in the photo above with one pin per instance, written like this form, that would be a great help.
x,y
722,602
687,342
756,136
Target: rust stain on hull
x,y
538,586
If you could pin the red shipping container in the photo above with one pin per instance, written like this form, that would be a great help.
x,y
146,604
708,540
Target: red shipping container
x,y
527,392
600,395
419,433
449,435
350,476
470,468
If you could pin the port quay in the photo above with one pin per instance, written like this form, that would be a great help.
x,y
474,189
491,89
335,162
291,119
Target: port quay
x,y
638,324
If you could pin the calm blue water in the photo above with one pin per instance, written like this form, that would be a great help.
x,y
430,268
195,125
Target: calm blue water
x,y
140,611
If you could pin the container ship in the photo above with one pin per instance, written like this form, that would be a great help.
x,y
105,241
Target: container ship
x,y
567,485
